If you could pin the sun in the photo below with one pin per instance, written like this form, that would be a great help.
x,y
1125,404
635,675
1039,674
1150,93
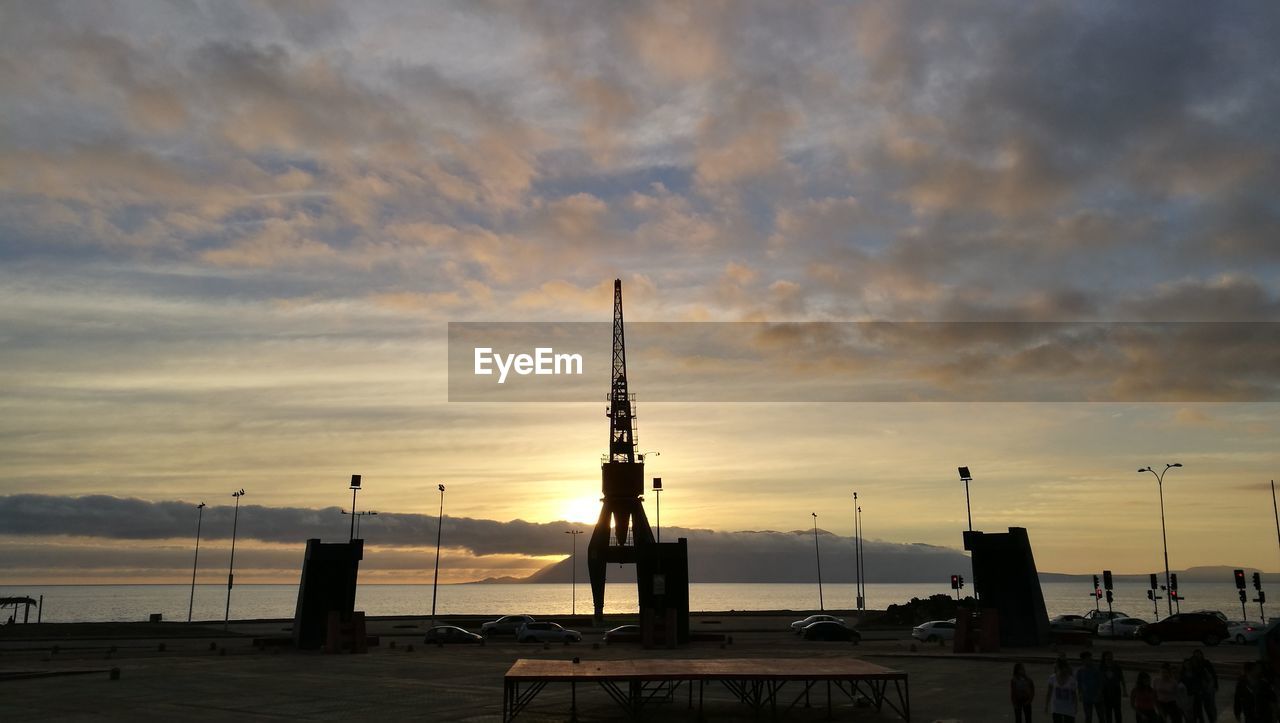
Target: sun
x,y
583,510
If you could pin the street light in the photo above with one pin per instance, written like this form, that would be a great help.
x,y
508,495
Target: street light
x,y
861,559
857,558
573,565
967,478
1163,535
231,568
818,557
435,583
657,494
355,487
199,521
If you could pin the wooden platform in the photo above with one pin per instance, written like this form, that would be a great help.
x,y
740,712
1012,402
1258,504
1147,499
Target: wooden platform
x,y
756,682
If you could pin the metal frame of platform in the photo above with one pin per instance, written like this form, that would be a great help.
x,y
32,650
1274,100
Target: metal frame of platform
x,y
636,685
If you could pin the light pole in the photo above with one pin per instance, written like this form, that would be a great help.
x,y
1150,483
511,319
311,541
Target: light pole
x,y
231,568
1275,510
657,494
967,478
1163,535
194,563
435,583
355,487
573,566
818,557
857,559
862,561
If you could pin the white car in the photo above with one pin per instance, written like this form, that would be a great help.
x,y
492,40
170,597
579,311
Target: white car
x,y
934,631
1094,618
1245,631
1120,628
1069,623
799,625
505,625
546,633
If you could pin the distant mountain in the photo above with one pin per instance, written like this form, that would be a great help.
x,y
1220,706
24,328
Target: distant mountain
x,y
784,557
788,557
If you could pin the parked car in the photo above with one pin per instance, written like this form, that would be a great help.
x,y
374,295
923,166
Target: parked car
x,y
451,634
830,630
799,625
934,631
505,625
622,634
1120,628
1095,618
1067,623
1204,627
536,632
1245,631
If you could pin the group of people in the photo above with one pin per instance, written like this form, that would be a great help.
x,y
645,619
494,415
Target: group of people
x,y
1186,693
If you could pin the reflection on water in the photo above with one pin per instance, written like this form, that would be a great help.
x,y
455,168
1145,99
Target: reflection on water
x,y
73,603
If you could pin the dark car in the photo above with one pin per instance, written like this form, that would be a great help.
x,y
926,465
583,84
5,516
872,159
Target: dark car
x,y
623,634
451,634
1202,627
829,630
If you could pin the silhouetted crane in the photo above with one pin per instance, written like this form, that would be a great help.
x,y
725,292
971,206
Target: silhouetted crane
x,y
622,524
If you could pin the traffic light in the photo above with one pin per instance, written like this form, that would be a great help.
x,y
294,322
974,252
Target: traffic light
x,y
962,582
1095,582
1257,581
1110,598
1155,584
1243,596
1239,579
1173,582
1151,594
1106,579
1262,596
955,582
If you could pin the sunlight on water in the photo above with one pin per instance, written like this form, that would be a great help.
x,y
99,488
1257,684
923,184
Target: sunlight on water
x,y
73,603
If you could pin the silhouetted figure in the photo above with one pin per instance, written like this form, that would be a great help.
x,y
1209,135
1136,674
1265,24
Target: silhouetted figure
x,y
1255,700
1089,683
1143,700
1114,690
1208,676
1022,693
1063,693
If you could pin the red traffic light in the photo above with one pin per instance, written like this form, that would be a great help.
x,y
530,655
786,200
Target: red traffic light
x,y
1239,579
955,582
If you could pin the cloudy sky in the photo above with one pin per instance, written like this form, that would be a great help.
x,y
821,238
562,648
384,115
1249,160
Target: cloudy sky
x,y
233,235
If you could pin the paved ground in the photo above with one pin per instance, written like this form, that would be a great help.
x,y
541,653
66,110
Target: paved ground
x,y
189,680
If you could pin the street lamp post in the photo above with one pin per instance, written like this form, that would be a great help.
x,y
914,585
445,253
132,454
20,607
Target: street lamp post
x,y
435,583
967,478
657,494
818,556
857,559
231,568
573,566
862,561
194,563
355,487
1163,535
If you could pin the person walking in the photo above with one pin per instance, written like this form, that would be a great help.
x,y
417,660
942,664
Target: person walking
x,y
1089,683
1167,694
1255,701
1061,698
1114,689
1022,693
1208,684
1143,699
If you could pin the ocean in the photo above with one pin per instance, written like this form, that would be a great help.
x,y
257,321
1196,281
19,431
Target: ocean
x,y
118,603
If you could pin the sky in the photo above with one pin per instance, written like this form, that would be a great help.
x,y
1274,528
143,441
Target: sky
x,y
233,236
